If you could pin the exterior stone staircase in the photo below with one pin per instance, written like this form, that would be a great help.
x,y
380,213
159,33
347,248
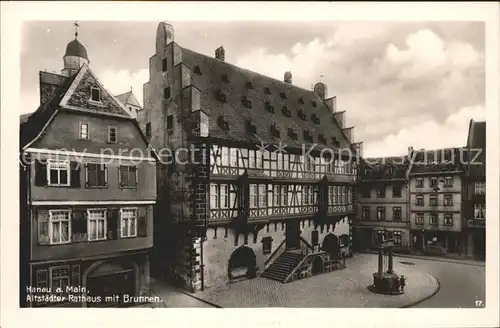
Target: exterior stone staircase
x,y
283,266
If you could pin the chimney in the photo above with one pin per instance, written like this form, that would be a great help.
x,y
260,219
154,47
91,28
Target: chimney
x,y
220,53
288,77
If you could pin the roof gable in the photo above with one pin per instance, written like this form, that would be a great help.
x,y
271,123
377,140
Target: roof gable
x,y
77,97
249,96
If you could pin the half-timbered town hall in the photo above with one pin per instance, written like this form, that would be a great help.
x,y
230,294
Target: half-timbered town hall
x,y
256,176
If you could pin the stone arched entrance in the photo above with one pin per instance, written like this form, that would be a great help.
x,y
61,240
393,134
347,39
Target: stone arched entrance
x,y
331,246
107,280
242,263
317,266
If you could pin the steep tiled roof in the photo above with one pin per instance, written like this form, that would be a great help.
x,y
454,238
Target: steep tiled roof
x,y
477,145
123,97
267,102
437,160
383,168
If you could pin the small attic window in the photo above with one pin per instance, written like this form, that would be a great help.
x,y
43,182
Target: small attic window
x,y
283,95
292,134
313,103
301,114
223,124
301,100
267,90
275,132
322,139
221,96
251,128
308,136
247,103
197,70
286,111
315,118
224,77
269,107
249,85
95,94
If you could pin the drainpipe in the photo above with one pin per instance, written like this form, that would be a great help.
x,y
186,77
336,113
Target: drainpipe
x,y
202,266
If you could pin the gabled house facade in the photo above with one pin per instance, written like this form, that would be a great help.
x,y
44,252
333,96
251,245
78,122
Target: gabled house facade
x,y
237,192
475,206
383,196
88,187
129,101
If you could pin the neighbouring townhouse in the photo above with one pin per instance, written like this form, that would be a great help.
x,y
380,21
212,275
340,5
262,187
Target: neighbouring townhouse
x,y
436,200
88,186
475,206
239,196
383,203
129,101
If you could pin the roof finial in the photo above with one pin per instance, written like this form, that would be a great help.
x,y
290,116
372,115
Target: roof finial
x,y
130,88
76,29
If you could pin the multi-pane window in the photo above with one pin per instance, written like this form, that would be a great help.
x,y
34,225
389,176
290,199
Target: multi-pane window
x,y
284,195
396,235
420,200
380,213
479,211
59,278
96,225
479,188
448,219
419,218
433,219
420,183
434,182
262,195
112,134
381,192
84,131
366,212
128,176
59,226
96,175
396,191
448,200
448,182
433,200
258,195
214,196
224,196
58,173
128,222
396,214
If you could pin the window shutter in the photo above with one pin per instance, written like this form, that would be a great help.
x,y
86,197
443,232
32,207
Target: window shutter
x,y
112,223
43,227
142,222
75,174
40,174
105,174
42,278
120,170
86,175
78,224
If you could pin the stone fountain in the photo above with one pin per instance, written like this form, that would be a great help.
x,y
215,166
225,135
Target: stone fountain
x,y
385,282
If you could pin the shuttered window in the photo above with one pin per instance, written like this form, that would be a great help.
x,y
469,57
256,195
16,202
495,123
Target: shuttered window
x,y
96,175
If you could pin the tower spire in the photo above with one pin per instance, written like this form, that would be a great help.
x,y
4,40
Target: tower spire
x,y
76,29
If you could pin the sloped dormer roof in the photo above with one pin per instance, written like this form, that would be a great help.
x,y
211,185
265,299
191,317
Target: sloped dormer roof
x,y
219,76
385,168
437,160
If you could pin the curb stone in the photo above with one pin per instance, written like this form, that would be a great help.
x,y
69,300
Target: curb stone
x,y
427,297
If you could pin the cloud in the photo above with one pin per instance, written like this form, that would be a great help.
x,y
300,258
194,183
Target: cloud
x,y
118,82
427,134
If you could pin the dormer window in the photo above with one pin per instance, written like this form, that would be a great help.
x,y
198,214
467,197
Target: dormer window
x,y
286,111
308,136
292,134
313,103
95,94
267,90
197,70
269,107
301,114
223,124
301,100
315,118
322,139
249,85
224,77
275,132
247,103
282,95
251,128
221,96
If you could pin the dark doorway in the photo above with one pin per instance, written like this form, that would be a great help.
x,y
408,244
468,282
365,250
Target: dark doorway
x,y
451,243
317,266
242,263
417,241
108,286
331,246
479,239
292,234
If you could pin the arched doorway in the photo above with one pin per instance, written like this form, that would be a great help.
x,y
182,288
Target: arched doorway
x,y
317,266
242,263
331,246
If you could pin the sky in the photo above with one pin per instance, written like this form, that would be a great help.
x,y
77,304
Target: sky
x,y
401,83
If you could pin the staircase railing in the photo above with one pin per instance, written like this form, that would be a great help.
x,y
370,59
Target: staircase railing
x,y
299,265
274,253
